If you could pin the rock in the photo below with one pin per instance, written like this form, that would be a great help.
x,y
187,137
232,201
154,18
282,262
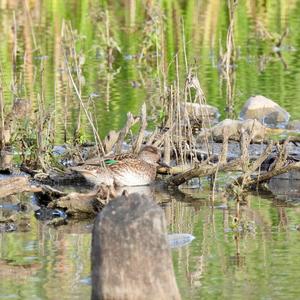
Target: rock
x,y
286,186
7,227
59,150
201,113
130,254
266,111
199,110
234,128
294,125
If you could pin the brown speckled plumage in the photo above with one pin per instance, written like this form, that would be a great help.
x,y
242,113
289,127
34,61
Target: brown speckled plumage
x,y
128,170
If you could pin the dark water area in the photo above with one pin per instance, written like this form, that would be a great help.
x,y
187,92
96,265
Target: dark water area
x,y
259,260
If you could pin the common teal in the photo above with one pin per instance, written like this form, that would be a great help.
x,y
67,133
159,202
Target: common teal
x,y
124,170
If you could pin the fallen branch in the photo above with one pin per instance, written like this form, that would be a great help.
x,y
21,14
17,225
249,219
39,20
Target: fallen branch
x,y
84,203
15,185
294,166
202,170
280,166
240,164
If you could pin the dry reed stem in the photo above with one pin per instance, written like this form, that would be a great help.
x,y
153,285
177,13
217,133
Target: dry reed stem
x,y
222,160
27,10
224,152
78,93
167,149
228,59
281,166
244,144
192,81
240,164
153,136
129,123
110,140
15,47
2,139
143,121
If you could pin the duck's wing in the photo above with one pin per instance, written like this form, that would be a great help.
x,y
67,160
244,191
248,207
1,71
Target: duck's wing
x,y
109,160
123,156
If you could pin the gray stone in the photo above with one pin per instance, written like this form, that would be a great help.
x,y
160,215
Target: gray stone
x,y
286,186
234,128
294,125
130,254
266,111
203,113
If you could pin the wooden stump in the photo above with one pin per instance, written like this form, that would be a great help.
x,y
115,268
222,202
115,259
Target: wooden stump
x,y
131,258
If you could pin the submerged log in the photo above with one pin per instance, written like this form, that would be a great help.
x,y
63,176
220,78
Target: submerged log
x,y
130,254
15,185
91,203
239,164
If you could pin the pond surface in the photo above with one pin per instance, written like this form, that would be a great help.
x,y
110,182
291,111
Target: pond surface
x,y
120,54
259,260
145,38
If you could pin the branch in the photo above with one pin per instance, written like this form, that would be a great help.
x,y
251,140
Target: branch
x,y
204,170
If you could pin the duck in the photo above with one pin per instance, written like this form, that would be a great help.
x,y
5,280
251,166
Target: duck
x,y
124,169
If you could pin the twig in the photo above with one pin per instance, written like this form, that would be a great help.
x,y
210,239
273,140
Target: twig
x,y
130,122
202,170
143,120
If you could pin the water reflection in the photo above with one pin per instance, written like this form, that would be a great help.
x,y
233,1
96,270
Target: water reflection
x,y
36,263
249,253
119,67
226,259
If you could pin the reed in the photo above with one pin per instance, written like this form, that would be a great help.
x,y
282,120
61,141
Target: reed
x,y
2,140
73,61
228,59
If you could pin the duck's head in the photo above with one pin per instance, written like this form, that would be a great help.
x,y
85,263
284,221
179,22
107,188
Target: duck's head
x,y
150,154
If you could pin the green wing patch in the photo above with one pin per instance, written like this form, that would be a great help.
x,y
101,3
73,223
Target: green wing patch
x,y
110,162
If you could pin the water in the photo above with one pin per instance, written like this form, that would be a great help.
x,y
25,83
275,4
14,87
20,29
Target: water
x,y
111,90
259,260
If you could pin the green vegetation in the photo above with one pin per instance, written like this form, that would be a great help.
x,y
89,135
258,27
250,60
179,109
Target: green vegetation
x,y
126,54
87,62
